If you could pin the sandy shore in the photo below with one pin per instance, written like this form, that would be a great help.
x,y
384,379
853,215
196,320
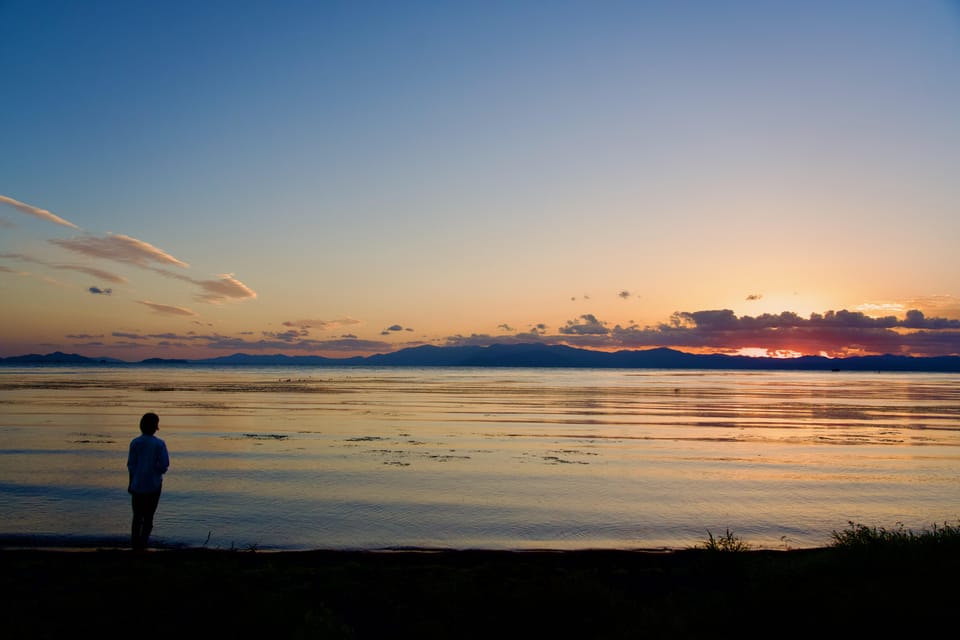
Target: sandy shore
x,y
475,594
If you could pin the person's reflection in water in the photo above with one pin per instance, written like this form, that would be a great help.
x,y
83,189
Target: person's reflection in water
x,y
147,461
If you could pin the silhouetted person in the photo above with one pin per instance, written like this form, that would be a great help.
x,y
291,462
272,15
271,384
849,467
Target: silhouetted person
x,y
147,462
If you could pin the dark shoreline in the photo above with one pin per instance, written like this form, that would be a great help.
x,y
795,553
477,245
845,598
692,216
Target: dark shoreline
x,y
477,594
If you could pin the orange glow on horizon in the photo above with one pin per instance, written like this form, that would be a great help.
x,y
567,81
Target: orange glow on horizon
x,y
759,352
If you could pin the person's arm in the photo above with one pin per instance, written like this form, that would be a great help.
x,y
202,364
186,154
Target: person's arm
x,y
131,465
163,462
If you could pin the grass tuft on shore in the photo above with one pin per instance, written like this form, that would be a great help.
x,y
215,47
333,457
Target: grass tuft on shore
x,y
860,536
727,543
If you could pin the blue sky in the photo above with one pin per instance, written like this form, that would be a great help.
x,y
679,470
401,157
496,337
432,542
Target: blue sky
x,y
329,171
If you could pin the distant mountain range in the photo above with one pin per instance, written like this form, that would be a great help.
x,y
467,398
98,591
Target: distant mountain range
x,y
533,355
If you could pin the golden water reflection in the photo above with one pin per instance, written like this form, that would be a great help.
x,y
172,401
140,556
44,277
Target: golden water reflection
x,y
513,458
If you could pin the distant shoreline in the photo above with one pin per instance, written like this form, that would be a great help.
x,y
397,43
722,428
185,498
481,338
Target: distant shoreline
x,y
530,356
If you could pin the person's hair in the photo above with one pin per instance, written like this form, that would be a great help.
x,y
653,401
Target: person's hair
x,y
149,423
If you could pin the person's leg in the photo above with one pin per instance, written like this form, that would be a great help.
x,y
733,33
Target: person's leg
x,y
149,506
138,516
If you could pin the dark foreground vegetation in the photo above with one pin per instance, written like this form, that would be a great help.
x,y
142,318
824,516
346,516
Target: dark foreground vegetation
x,y
868,581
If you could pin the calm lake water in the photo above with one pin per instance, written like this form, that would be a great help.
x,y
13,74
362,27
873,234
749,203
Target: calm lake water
x,y
297,458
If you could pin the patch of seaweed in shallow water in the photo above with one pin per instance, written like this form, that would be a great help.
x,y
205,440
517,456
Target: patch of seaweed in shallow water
x,y
558,460
264,436
92,438
447,458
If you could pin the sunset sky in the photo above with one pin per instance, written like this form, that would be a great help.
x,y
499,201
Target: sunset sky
x,y
193,179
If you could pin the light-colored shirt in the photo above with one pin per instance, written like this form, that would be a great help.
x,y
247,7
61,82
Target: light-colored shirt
x,y
147,462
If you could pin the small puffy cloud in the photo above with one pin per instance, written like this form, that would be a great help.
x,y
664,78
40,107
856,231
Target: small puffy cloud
x,y
393,328
97,291
285,336
167,309
36,212
587,324
624,294
120,248
505,327
754,296
226,288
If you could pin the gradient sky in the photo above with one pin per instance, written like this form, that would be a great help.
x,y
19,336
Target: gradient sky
x,y
187,179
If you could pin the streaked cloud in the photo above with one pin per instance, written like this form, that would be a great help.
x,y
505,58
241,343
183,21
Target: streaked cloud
x,y
321,325
100,274
348,345
213,291
120,248
226,288
90,271
100,292
128,336
167,309
36,212
129,250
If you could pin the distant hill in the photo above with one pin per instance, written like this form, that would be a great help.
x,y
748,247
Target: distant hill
x,y
535,355
58,357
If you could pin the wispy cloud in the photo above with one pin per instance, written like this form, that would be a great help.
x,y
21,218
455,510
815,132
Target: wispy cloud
x,y
167,309
100,292
348,344
128,336
125,249
120,248
214,291
36,212
90,271
321,325
226,288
